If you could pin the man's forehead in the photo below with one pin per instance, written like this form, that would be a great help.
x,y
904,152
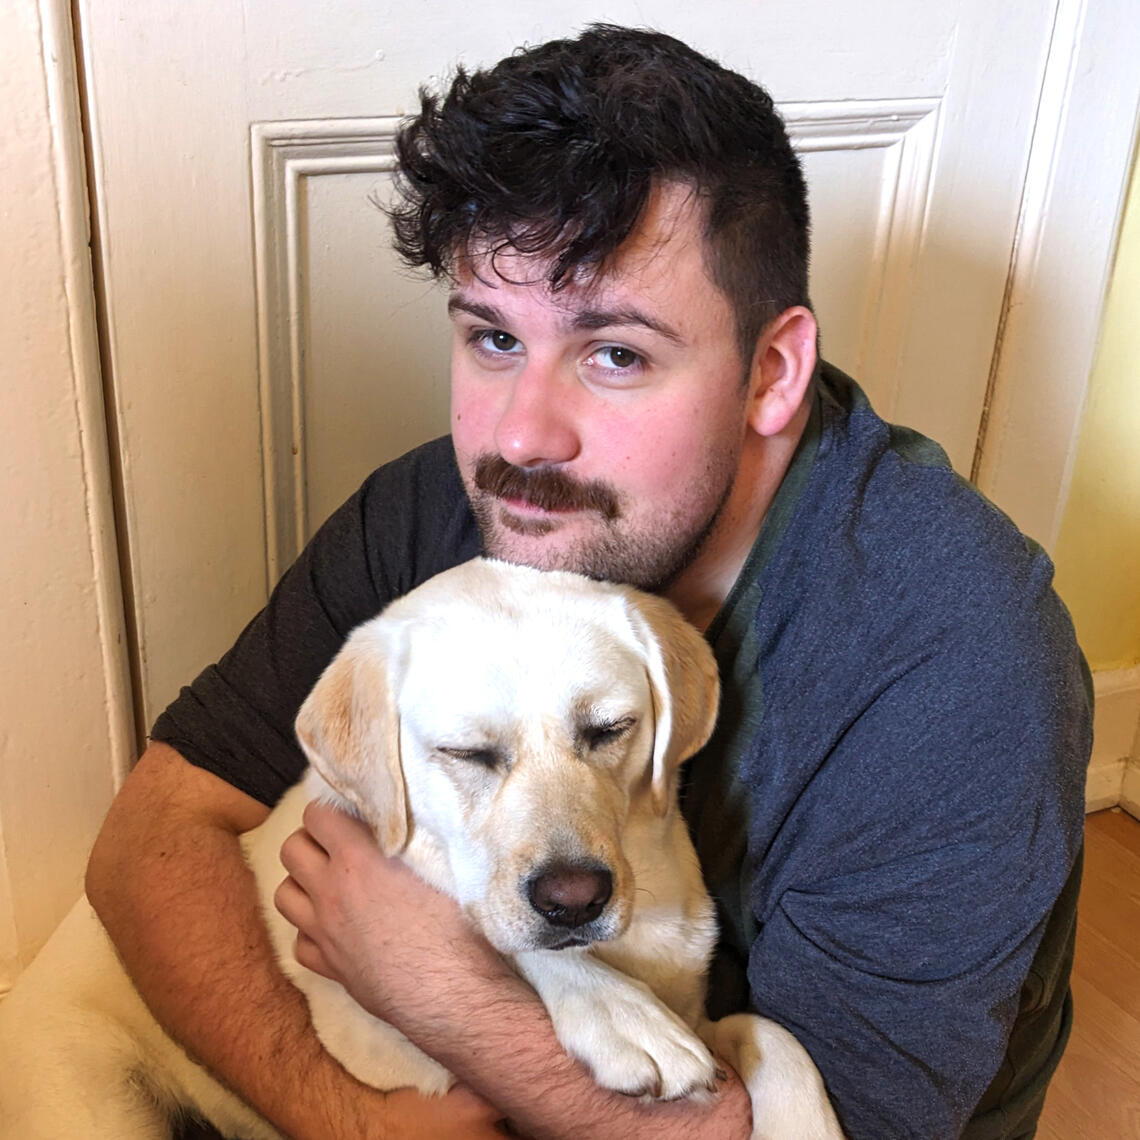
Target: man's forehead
x,y
487,275
671,225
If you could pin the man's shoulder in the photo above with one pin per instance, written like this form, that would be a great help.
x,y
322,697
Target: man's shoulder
x,y
886,509
414,517
906,619
420,493
898,575
428,471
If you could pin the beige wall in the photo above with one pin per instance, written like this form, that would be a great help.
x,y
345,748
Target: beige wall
x,y
64,705
1098,552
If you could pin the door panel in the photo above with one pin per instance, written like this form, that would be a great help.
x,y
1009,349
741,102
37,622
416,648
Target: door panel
x,y
267,351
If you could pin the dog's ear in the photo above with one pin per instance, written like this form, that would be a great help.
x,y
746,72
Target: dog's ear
x,y
349,729
685,685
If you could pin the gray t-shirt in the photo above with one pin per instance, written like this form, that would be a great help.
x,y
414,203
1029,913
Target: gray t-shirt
x,y
893,799
892,803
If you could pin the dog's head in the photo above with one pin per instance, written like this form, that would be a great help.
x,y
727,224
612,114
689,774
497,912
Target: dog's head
x,y
523,725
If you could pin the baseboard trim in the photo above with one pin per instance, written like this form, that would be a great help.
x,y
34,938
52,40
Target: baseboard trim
x,y
1114,771
1130,789
1103,786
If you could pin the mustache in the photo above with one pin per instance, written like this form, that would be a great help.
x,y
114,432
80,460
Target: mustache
x,y
544,487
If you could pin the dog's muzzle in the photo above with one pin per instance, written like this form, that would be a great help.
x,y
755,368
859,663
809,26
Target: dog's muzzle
x,y
570,895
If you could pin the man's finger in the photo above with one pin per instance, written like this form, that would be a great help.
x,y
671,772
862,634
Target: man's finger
x,y
328,825
301,851
309,954
294,905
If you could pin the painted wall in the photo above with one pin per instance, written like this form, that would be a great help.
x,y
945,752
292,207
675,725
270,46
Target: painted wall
x,y
64,704
1098,552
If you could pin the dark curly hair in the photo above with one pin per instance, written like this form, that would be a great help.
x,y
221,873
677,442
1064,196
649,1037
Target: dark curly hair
x,y
554,151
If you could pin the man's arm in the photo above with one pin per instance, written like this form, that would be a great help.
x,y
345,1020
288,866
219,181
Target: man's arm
x,y
168,880
409,956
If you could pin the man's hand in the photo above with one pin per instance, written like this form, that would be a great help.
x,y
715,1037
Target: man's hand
x,y
369,923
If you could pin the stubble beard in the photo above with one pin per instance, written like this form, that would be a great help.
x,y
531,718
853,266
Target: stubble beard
x,y
650,558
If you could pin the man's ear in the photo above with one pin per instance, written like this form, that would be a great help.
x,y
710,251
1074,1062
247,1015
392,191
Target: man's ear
x,y
349,729
782,367
685,686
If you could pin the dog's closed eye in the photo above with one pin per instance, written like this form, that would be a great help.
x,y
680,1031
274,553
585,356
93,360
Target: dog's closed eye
x,y
485,757
595,736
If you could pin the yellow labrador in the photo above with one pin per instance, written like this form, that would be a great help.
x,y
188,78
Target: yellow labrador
x,y
515,737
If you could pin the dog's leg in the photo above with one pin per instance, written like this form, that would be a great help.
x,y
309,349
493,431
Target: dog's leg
x,y
617,1027
789,1101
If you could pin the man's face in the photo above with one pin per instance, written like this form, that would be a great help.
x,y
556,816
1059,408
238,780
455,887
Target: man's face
x,y
600,429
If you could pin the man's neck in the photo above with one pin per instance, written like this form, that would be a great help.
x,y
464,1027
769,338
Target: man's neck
x,y
700,590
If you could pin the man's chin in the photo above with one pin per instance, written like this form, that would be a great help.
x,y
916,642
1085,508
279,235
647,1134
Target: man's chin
x,y
532,548
546,540
581,543
557,551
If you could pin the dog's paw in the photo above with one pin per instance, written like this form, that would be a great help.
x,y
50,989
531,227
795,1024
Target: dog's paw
x,y
634,1044
789,1098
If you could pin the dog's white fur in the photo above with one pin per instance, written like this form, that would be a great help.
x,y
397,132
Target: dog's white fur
x,y
493,722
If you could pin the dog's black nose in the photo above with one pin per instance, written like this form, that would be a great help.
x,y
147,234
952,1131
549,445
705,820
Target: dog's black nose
x,y
570,896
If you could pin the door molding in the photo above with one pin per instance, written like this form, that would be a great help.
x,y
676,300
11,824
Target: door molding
x,y
1075,185
283,156
908,130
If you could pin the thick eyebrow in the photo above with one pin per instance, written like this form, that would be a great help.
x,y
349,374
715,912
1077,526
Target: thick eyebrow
x,y
457,303
624,317
584,319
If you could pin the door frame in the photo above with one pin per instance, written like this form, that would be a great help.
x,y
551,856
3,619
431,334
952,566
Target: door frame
x,y
1072,202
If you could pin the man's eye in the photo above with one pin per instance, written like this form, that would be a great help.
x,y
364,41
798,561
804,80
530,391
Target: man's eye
x,y
617,358
497,340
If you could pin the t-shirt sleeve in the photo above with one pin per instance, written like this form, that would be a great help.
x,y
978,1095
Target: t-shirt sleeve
x,y
943,824
407,522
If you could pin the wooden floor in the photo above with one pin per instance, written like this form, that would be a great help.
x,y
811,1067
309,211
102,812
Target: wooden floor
x,y
1095,1094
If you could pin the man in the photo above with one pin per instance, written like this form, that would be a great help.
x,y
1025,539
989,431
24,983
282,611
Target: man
x,y
889,814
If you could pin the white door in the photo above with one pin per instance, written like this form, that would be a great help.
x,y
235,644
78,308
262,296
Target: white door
x,y
265,351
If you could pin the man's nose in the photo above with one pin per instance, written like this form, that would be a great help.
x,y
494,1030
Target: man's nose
x,y
538,425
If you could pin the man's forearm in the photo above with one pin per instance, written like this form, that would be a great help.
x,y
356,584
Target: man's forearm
x,y
181,907
495,1035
